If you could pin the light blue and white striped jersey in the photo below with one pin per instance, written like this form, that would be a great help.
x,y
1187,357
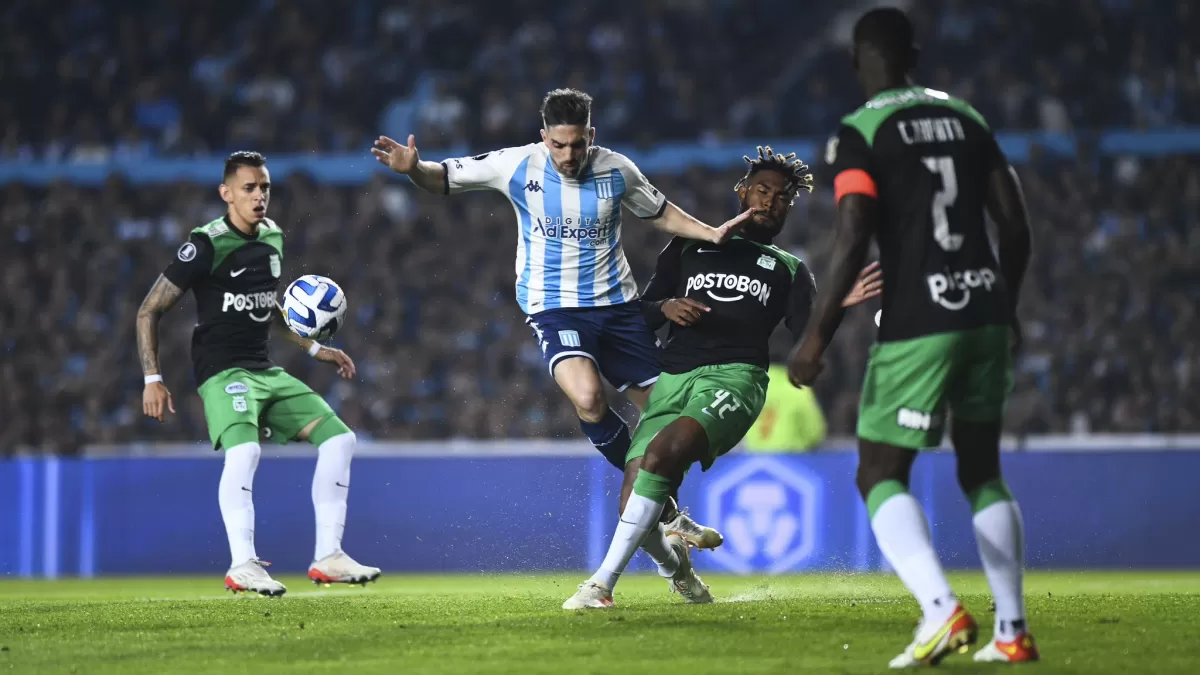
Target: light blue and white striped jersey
x,y
569,245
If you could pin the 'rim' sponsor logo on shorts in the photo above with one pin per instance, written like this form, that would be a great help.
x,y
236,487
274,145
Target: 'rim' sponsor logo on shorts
x,y
944,286
739,283
917,420
249,302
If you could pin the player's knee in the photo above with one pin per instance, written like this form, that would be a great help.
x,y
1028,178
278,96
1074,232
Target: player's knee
x,y
590,404
977,454
675,448
878,463
977,470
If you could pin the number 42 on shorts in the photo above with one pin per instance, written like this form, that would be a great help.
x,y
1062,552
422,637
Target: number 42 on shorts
x,y
720,406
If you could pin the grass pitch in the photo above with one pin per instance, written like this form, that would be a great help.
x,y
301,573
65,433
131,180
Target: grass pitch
x,y
1086,622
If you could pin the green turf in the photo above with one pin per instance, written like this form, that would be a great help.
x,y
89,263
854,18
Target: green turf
x,y
1085,622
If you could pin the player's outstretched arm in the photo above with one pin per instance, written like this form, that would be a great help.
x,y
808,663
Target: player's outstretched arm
x,y
1006,206
856,214
405,160
679,223
156,399
315,349
658,302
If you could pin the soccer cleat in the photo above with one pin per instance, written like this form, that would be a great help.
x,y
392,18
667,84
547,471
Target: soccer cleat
x,y
339,568
251,577
1021,650
590,595
685,581
692,532
933,643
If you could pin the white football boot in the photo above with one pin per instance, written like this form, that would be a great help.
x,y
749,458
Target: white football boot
x,y
339,568
590,595
685,581
692,532
251,577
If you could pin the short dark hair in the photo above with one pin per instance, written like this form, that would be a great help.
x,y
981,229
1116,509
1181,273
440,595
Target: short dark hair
x,y
567,106
243,158
794,170
890,31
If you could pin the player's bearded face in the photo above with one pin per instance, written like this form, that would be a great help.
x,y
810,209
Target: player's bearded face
x,y
248,192
568,145
767,191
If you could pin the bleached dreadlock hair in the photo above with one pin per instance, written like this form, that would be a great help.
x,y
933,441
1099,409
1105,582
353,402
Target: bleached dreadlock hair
x,y
795,170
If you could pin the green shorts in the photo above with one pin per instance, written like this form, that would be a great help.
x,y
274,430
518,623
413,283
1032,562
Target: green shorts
x,y
269,399
910,383
724,399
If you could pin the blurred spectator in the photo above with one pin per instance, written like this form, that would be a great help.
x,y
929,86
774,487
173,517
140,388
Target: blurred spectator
x,y
1110,305
319,76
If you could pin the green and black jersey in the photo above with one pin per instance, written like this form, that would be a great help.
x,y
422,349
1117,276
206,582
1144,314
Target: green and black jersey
x,y
748,287
234,277
926,156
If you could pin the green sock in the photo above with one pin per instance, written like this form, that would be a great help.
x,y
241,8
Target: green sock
x,y
652,486
995,490
882,492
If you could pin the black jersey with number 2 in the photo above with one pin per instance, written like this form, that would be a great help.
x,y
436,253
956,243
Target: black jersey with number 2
x,y
234,277
748,287
926,155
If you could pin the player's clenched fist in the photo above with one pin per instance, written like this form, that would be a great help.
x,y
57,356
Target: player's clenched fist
x,y
397,157
683,311
156,401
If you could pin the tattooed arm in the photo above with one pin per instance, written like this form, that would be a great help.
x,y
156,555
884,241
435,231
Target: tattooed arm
x,y
327,354
163,295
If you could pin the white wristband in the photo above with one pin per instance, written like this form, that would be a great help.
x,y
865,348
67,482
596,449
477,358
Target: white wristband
x,y
312,350
153,378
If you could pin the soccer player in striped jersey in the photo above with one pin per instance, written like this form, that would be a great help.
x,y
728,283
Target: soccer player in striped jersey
x,y
573,281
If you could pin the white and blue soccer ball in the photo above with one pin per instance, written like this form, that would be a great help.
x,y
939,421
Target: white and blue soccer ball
x,y
314,307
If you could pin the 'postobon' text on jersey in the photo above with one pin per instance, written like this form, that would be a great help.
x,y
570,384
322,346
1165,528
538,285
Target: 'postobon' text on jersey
x,y
234,277
569,249
748,288
927,155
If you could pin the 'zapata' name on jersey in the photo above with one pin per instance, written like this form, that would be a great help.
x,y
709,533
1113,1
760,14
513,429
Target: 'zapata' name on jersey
x,y
748,287
235,277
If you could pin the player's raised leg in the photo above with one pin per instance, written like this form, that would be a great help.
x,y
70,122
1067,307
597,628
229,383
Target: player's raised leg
x,y
298,413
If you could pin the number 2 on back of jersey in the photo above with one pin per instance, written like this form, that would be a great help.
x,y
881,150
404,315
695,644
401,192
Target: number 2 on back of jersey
x,y
942,200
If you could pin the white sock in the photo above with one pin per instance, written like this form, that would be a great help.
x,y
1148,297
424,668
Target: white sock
x,y
236,497
655,545
639,516
903,536
330,487
1001,537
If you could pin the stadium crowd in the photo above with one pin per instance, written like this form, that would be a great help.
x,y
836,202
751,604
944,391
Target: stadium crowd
x,y
86,80
1110,306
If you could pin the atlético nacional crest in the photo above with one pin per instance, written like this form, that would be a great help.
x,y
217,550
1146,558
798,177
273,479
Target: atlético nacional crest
x,y
275,266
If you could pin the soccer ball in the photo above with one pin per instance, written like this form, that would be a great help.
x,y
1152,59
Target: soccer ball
x,y
314,307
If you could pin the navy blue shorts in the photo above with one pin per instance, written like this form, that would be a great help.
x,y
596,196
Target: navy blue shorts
x,y
615,338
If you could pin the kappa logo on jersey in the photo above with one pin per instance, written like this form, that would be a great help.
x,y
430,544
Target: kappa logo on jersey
x,y
739,283
187,252
533,186
917,420
956,283
249,302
